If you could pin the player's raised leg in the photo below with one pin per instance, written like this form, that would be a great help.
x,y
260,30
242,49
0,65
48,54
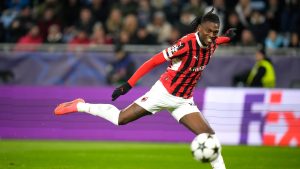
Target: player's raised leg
x,y
106,111
198,124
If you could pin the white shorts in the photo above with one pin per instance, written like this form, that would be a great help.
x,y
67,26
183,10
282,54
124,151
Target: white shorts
x,y
158,98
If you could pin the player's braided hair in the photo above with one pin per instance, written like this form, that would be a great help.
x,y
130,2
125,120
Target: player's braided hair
x,y
210,16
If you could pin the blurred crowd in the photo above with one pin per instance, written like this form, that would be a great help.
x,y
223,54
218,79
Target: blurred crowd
x,y
275,23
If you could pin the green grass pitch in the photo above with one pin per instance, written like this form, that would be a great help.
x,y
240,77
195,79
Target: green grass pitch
x,y
25,154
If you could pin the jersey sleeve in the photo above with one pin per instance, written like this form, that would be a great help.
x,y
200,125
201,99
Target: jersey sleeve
x,y
146,67
178,49
222,39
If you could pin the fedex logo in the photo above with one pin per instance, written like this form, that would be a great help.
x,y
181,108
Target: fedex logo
x,y
278,124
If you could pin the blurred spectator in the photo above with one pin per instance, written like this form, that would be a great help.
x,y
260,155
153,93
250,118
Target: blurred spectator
x,y
144,12
184,24
20,25
243,10
273,14
15,32
31,40
99,9
247,38
258,26
114,22
121,69
70,13
54,34
291,16
127,7
55,5
9,10
174,36
49,18
196,7
32,37
99,36
294,40
81,38
144,37
130,25
69,33
123,38
262,74
172,11
158,4
273,41
234,22
8,16
86,21
25,18
159,27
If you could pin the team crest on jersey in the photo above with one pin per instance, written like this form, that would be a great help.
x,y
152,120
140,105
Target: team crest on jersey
x,y
192,104
144,99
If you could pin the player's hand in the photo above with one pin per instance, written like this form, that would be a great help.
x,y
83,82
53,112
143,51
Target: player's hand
x,y
123,89
231,33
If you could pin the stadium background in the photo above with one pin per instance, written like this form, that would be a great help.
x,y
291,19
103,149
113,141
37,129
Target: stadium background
x,y
40,70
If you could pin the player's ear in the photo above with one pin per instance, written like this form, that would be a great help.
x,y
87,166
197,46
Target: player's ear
x,y
199,28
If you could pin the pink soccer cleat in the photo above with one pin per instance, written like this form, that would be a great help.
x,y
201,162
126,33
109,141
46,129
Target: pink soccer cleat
x,y
68,107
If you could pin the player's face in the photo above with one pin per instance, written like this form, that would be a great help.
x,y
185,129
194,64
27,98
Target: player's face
x,y
209,32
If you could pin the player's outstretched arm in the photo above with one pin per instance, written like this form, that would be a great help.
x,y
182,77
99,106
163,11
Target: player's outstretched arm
x,y
142,70
227,37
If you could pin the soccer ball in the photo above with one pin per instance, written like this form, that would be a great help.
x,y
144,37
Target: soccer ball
x,y
205,147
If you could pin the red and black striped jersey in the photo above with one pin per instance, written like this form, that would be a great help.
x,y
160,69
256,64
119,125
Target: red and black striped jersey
x,y
188,58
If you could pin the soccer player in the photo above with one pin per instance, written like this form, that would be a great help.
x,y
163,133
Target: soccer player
x,y
188,57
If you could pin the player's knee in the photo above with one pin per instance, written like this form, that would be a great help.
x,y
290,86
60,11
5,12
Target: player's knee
x,y
207,129
123,121
210,130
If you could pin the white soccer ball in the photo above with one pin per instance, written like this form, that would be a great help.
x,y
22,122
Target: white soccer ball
x,y
205,147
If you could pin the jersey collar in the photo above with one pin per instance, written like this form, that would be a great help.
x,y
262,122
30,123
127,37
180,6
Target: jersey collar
x,y
198,40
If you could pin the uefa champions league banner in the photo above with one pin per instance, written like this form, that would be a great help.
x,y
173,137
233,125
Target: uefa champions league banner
x,y
254,116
